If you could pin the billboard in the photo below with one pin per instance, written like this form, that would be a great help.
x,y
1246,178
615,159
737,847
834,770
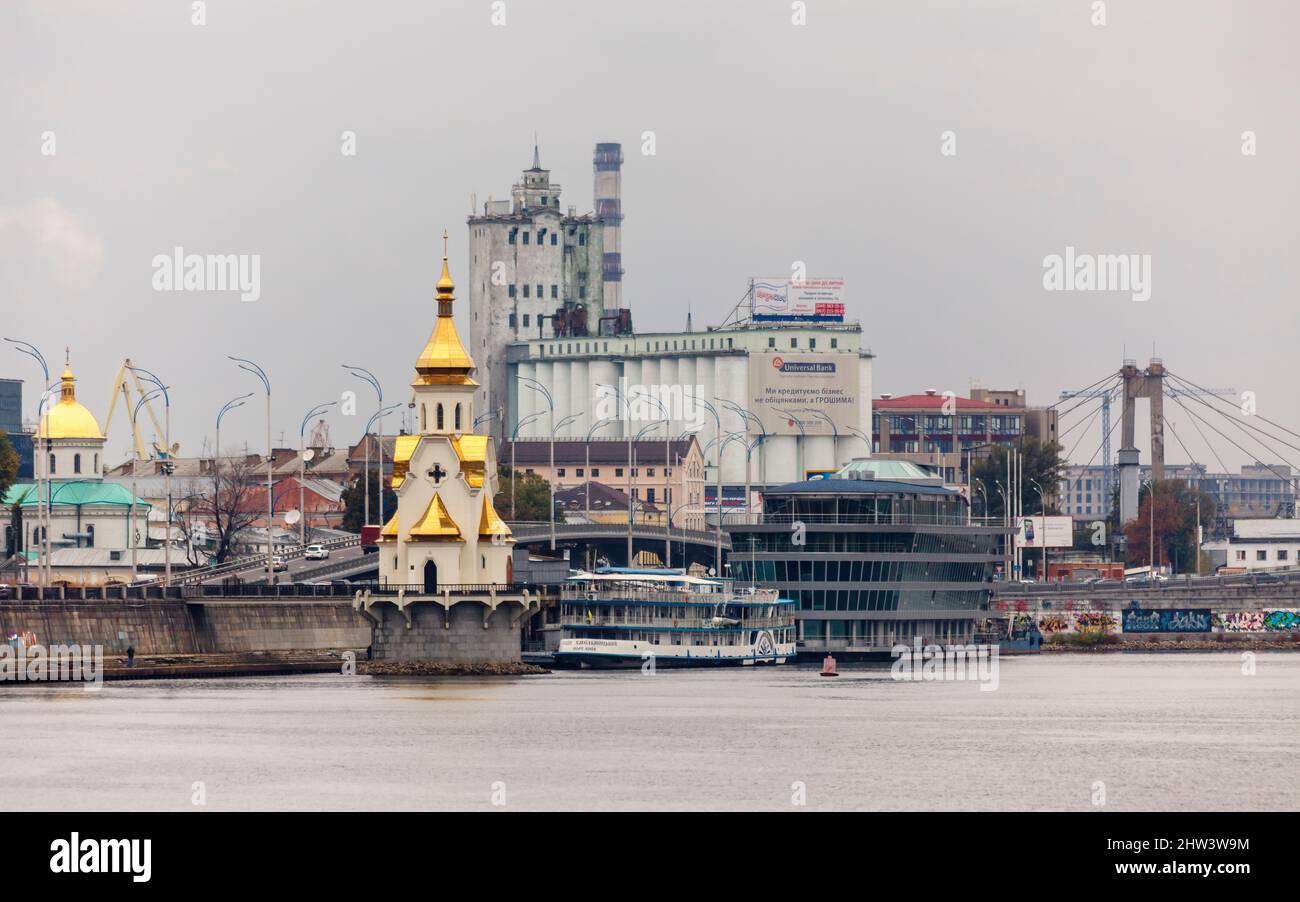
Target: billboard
x,y
1046,532
809,301
792,394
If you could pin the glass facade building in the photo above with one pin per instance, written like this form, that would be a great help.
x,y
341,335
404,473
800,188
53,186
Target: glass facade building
x,y
870,562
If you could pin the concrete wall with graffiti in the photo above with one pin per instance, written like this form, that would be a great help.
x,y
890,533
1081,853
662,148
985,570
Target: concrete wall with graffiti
x,y
1193,620
1266,621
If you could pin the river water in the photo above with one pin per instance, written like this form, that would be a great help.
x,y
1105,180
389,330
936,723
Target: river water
x,y
1160,731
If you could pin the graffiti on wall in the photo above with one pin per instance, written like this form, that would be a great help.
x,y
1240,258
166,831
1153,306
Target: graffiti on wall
x,y
1140,620
1257,621
1076,621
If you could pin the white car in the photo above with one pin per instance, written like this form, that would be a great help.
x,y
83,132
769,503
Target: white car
x,y
316,553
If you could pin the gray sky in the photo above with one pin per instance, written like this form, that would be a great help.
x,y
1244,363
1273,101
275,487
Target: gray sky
x,y
775,143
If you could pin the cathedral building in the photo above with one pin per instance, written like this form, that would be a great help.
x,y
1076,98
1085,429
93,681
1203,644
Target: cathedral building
x,y
446,531
85,512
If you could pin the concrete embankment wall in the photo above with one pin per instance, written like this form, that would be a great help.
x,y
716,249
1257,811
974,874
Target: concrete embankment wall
x,y
173,627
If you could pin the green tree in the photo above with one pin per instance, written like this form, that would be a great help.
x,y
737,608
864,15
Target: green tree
x,y
1041,464
533,496
8,464
8,476
354,501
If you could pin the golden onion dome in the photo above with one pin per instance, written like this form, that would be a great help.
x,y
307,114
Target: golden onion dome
x,y
68,417
444,359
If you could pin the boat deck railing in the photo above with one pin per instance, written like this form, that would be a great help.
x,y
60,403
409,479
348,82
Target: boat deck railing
x,y
633,593
677,623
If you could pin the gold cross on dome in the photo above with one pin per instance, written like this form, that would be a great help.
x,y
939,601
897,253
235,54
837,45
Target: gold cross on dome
x,y
444,244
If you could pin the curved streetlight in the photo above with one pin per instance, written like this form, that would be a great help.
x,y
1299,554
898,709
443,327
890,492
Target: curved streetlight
x,y
1042,507
979,484
599,424
145,398
302,469
366,438
717,434
249,366
168,463
762,441
514,440
631,497
368,377
41,460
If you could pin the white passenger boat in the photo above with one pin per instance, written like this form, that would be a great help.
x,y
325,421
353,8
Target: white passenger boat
x,y
621,617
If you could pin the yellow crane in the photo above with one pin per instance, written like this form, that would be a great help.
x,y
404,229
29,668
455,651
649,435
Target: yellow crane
x,y
122,389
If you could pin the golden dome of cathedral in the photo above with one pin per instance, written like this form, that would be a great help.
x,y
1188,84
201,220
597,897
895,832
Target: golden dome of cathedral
x,y
444,359
68,417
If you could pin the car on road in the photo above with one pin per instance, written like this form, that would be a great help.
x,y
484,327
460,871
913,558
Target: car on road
x,y
316,553
1268,578
279,563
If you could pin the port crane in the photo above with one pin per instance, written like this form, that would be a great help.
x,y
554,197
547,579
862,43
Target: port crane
x,y
122,390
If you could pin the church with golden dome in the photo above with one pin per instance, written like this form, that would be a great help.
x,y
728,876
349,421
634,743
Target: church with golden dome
x,y
85,512
446,529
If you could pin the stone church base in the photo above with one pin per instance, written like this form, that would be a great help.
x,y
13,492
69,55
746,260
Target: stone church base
x,y
466,633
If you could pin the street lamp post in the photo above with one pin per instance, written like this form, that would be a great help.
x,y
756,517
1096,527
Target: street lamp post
x,y
249,366
514,440
302,470
134,461
571,418
550,405
216,466
599,424
717,437
366,438
761,443
1042,509
631,500
366,376
168,466
41,461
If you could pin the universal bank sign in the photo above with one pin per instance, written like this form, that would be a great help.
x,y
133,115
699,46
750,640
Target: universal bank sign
x,y
803,394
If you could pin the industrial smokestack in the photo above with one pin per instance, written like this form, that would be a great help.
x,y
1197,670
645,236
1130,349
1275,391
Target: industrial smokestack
x,y
608,163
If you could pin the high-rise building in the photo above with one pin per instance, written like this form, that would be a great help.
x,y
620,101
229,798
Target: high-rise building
x,y
538,271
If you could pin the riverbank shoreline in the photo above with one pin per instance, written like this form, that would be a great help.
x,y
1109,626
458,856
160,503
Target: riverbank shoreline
x,y
1234,644
188,667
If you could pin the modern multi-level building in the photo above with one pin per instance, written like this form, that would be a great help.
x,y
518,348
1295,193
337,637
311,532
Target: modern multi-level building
x,y
878,554
537,270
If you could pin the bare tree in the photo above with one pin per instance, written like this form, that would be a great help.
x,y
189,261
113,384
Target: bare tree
x,y
230,503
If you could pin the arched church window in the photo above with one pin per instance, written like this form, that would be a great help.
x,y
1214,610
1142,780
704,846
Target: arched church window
x,y
424,417
458,418
53,468
76,463
90,536
96,470
439,427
